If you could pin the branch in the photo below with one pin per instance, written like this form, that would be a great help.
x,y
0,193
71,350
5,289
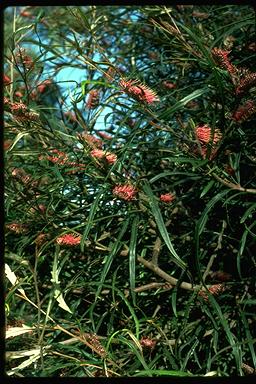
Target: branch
x,y
170,279
232,185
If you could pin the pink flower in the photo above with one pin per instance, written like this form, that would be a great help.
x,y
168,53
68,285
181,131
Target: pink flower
x,y
100,154
111,157
215,290
247,82
139,91
167,198
6,79
91,140
78,167
17,227
244,111
69,239
61,157
42,87
221,57
125,192
204,134
168,84
93,99
104,135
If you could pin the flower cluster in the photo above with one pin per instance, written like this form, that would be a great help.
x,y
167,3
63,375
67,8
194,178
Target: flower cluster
x,y
147,343
139,91
69,239
60,158
91,140
20,111
168,84
24,59
21,175
244,111
247,82
104,135
93,99
206,138
100,154
17,228
75,167
44,85
204,134
221,57
126,192
215,290
41,238
6,80
167,197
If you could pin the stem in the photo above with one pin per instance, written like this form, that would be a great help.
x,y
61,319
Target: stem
x,y
170,279
232,185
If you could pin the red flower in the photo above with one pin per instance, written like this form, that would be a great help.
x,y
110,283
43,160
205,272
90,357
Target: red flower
x,y
91,140
139,91
6,79
26,14
43,86
247,82
78,167
204,134
70,116
17,227
221,56
125,192
244,111
69,239
104,135
148,343
18,94
167,198
215,290
93,99
100,154
169,85
61,157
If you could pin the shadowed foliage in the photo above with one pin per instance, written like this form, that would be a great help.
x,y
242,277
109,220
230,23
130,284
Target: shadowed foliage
x,y
130,187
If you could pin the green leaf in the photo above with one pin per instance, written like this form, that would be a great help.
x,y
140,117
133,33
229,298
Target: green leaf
x,y
161,372
181,103
248,212
161,226
110,257
90,221
132,256
207,188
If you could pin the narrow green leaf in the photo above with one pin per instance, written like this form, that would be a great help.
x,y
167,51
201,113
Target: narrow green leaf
x,y
181,103
132,256
248,213
161,226
111,256
90,222
161,372
207,188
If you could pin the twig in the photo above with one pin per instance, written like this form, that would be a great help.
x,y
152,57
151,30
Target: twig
x,y
156,250
168,278
210,263
233,185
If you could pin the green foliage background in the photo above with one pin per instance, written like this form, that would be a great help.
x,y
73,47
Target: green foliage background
x,y
89,307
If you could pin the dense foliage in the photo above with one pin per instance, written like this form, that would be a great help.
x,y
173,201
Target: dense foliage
x,y
130,190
